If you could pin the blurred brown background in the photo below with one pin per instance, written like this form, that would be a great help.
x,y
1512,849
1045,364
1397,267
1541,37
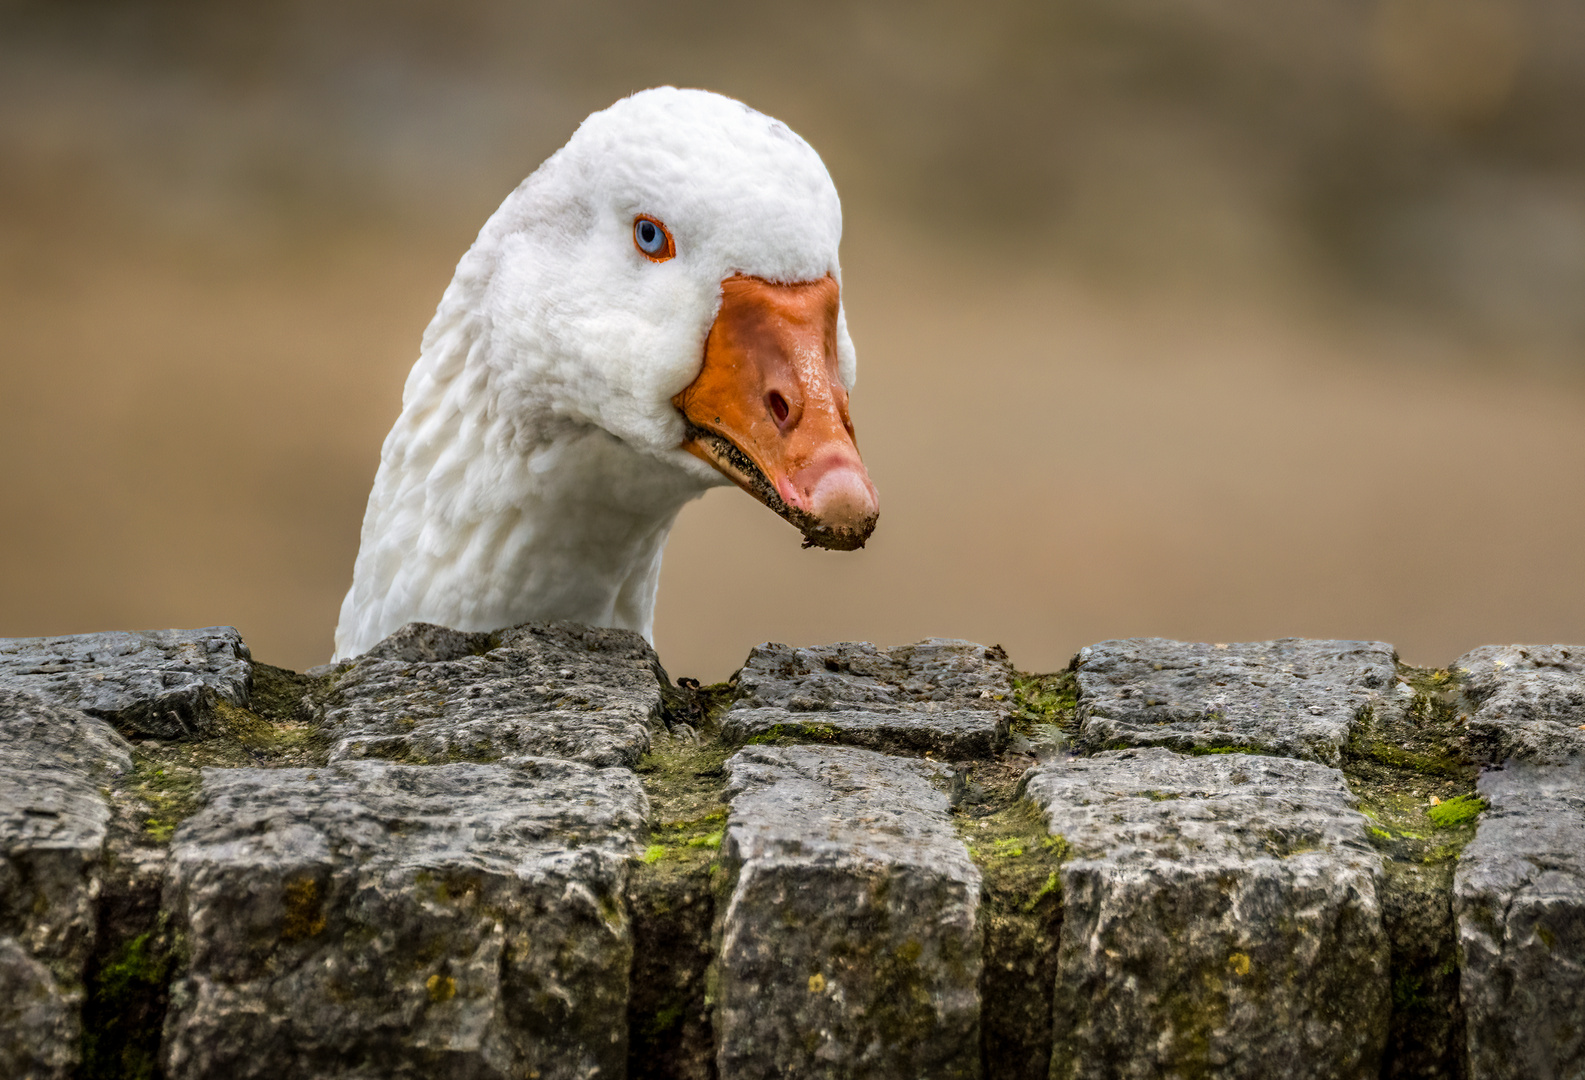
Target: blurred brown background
x,y
1218,319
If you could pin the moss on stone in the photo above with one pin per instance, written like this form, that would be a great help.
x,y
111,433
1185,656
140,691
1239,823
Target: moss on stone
x,y
671,895
1199,750
168,789
1045,701
1021,893
1404,765
788,734
277,728
124,1006
274,732
1459,810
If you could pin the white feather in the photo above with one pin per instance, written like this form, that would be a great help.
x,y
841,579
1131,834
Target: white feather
x,y
535,470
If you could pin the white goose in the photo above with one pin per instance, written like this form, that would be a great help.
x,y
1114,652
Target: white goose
x,y
655,311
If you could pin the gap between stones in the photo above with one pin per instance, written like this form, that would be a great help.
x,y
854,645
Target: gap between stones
x,y
1396,762
136,953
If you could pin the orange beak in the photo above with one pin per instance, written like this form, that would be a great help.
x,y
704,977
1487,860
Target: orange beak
x,y
769,412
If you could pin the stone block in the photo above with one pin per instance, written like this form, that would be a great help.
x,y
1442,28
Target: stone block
x,y
381,920
1220,917
952,698
849,940
1292,697
1519,897
1525,701
38,735
160,683
428,694
53,824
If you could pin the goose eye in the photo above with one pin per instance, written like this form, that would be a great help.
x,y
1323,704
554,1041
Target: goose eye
x,y
652,239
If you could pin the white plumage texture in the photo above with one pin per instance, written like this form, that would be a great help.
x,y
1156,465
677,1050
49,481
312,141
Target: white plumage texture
x,y
535,469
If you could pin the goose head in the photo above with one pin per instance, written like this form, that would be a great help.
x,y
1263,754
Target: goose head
x,y
656,310
675,266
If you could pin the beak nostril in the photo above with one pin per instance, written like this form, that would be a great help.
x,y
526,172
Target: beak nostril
x,y
778,406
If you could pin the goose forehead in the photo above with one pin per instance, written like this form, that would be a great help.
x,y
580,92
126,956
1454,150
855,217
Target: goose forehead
x,y
713,167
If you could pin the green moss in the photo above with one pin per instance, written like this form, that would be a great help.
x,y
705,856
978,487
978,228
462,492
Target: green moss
x,y
785,734
275,729
124,1007
1051,887
665,1019
1004,848
1045,701
1408,991
1225,748
1456,811
169,792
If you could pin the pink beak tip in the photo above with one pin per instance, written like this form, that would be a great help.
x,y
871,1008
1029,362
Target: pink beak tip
x,y
844,498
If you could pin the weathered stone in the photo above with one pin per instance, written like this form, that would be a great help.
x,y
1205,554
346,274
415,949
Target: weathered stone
x,y
53,822
370,919
429,694
38,735
1220,918
1292,697
849,943
949,697
1519,895
161,683
426,643
958,734
1526,701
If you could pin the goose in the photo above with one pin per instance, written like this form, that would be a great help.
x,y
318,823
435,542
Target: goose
x,y
656,310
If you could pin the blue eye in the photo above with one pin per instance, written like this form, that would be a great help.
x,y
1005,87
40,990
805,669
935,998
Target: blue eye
x,y
652,239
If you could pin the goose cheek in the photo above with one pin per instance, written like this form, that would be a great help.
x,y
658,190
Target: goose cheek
x,y
768,411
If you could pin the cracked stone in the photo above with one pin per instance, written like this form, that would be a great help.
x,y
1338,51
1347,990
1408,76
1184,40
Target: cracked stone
x,y
429,694
372,919
1292,697
160,683
1227,904
1519,897
53,823
1528,701
952,698
849,944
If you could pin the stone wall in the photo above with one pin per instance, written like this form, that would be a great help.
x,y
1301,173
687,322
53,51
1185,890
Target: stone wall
x,y
528,854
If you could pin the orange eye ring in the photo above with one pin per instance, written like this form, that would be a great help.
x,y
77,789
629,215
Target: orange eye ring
x,y
652,239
